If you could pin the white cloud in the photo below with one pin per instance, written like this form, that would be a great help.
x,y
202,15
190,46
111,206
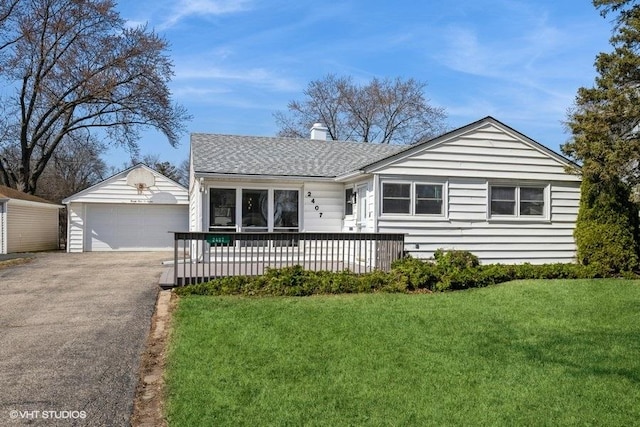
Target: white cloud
x,y
263,77
187,8
134,24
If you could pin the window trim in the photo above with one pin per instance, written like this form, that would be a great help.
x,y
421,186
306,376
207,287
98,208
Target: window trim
x,y
206,212
382,198
546,199
345,202
413,199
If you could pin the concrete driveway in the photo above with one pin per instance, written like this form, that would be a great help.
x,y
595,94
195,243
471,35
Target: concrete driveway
x,y
72,329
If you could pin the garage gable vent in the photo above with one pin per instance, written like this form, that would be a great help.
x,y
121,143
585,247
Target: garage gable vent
x,y
140,179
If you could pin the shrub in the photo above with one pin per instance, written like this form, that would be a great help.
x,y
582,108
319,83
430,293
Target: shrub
x,y
459,270
455,260
419,274
607,227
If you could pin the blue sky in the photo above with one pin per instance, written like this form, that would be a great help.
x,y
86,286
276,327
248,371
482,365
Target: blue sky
x,y
238,61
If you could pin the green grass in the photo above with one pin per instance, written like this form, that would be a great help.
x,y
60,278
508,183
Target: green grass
x,y
523,353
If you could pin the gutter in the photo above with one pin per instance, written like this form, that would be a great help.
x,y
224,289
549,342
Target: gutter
x,y
230,176
348,176
30,203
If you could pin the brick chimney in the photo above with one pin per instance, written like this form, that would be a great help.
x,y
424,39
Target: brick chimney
x,y
319,131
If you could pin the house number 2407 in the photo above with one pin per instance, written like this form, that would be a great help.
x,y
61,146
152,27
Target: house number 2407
x,y
313,202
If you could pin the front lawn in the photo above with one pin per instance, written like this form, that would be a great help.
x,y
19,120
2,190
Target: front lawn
x,y
523,353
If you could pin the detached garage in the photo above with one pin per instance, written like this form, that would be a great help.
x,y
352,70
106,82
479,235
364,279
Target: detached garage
x,y
133,210
27,223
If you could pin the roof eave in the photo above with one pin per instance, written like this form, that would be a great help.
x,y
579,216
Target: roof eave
x,y
23,202
382,163
200,174
349,175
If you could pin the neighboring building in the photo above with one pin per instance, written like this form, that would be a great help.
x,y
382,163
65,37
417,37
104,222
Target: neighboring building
x,y
27,223
134,210
483,187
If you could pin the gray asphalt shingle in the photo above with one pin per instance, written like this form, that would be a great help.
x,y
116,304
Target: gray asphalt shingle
x,y
257,155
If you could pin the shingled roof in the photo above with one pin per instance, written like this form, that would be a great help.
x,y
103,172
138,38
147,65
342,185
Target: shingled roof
x,y
257,155
11,193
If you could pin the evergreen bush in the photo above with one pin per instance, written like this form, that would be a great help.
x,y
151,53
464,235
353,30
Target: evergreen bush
x,y
607,227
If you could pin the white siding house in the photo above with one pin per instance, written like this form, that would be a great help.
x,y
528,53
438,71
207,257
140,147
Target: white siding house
x,y
134,210
484,187
504,197
27,223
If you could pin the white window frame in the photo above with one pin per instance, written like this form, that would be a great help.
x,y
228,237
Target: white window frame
x,y
410,184
344,201
270,200
413,198
546,214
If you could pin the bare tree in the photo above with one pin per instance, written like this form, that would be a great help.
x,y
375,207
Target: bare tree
x,y
74,166
178,173
76,68
383,111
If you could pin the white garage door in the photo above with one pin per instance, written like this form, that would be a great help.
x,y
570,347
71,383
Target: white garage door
x,y
133,227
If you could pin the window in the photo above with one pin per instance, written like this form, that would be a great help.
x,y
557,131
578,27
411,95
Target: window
x,y
532,201
396,198
255,209
258,209
285,210
428,199
413,198
503,200
348,201
517,201
222,209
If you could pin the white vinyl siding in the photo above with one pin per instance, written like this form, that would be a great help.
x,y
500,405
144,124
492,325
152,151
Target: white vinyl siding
x,y
116,190
322,206
470,164
467,228
3,228
75,227
488,152
195,206
131,214
31,227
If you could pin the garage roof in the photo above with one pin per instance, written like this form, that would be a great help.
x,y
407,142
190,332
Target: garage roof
x,y
12,193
